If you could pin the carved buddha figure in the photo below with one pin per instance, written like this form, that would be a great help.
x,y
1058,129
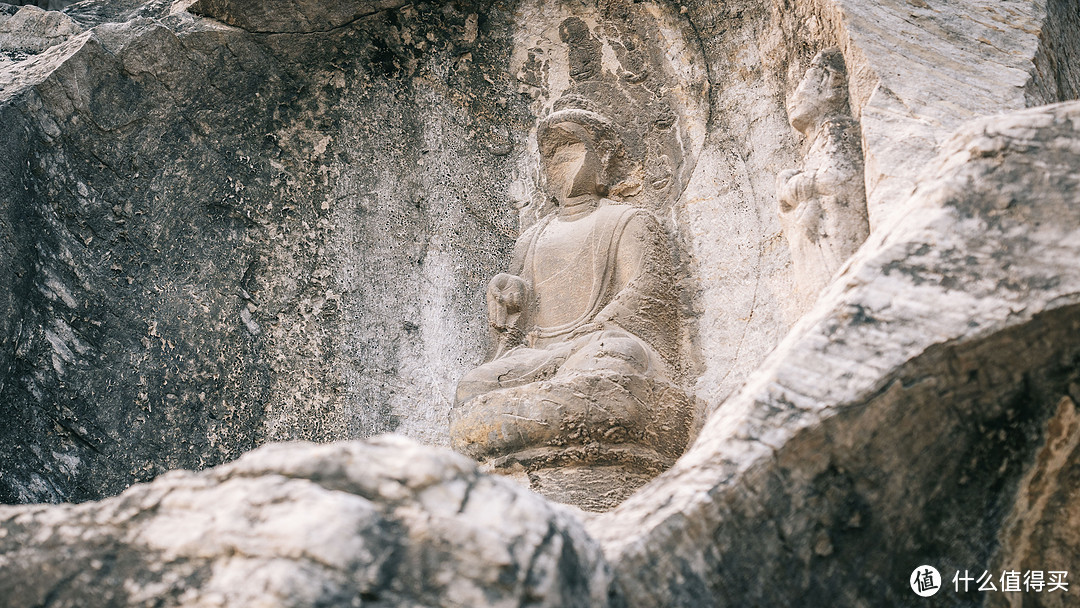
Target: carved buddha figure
x,y
579,277
584,323
823,202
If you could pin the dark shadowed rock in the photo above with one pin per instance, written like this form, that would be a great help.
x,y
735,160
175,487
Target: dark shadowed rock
x,y
283,16
213,239
49,5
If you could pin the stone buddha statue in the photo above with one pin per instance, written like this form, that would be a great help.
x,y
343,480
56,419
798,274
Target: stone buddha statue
x,y
823,202
580,396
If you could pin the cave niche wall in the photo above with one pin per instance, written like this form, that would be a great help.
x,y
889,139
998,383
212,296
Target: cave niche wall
x,y
215,239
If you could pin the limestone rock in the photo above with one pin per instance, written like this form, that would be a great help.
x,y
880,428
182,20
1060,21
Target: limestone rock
x,y
251,222
917,71
210,239
899,423
382,523
31,30
49,5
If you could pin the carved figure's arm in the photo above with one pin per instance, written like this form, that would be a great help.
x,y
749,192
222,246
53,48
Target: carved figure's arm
x,y
794,186
507,299
838,159
833,167
508,296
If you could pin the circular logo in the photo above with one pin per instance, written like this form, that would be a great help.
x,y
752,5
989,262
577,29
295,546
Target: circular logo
x,y
925,581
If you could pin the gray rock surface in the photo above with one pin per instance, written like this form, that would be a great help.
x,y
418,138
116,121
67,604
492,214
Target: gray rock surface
x,y
31,30
49,5
899,424
191,268
213,238
382,523
290,17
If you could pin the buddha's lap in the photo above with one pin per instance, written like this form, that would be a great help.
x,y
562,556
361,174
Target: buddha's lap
x,y
614,350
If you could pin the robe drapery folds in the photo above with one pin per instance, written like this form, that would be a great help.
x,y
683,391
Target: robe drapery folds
x,y
628,312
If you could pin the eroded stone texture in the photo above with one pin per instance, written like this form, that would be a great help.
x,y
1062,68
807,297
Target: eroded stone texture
x,y
50,5
894,426
383,523
284,17
213,238
1056,75
916,71
822,202
31,30
1040,533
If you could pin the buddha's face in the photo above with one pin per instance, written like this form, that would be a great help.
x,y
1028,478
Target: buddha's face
x,y
571,171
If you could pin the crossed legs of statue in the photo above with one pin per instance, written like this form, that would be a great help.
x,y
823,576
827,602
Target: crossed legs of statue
x,y
612,350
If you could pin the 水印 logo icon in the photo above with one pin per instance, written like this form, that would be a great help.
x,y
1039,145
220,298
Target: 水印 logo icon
x,y
925,581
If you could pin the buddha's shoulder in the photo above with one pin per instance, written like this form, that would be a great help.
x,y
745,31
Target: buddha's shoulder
x,y
626,214
618,212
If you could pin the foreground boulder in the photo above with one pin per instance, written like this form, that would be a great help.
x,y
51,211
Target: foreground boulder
x,y
923,413
201,227
382,523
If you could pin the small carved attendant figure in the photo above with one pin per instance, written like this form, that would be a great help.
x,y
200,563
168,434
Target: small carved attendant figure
x,y
585,326
823,203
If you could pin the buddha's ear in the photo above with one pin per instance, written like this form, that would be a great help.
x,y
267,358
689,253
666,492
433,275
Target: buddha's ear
x,y
615,169
606,150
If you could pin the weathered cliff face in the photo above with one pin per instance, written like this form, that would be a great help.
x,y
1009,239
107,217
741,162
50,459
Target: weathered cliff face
x,y
915,74
225,224
893,427
215,238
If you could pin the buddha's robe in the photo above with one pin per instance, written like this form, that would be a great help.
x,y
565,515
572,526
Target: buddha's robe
x,y
601,296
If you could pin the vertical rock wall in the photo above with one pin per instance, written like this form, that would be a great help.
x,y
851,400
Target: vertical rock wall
x,y
215,238
212,237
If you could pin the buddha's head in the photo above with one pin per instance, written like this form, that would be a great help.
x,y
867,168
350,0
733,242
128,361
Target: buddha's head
x,y
577,148
822,91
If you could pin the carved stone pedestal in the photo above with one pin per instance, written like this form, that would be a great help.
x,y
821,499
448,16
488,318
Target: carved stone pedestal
x,y
585,439
592,488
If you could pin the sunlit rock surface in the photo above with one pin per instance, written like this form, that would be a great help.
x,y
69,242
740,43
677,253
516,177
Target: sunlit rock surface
x,y
382,523
226,224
